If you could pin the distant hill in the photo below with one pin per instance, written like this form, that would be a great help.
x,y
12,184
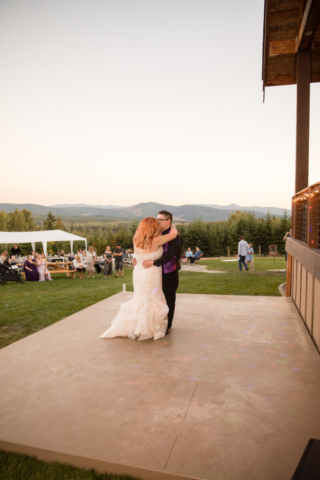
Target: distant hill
x,y
208,213
258,210
83,205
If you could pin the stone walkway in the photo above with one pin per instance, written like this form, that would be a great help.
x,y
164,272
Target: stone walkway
x,y
197,268
231,394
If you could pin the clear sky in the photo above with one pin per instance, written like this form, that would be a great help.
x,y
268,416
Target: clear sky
x,y
117,102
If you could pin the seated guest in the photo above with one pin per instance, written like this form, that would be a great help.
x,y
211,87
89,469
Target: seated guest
x,y
189,254
14,264
5,259
79,266
196,256
30,269
13,260
15,250
42,267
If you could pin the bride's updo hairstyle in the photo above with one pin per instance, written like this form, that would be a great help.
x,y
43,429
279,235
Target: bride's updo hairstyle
x,y
147,230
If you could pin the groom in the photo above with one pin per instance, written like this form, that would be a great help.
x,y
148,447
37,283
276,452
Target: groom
x,y
170,263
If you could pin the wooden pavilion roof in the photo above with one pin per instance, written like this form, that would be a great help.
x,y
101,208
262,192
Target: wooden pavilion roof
x,y
290,26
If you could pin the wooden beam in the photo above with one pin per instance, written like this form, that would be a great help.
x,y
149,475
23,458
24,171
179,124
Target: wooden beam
x,y
281,80
283,25
315,77
281,5
281,65
303,120
282,47
309,25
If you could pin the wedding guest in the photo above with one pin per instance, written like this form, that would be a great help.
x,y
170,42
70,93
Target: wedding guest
x,y
13,260
30,269
42,267
79,266
84,258
91,254
15,250
189,254
196,256
13,263
107,270
118,260
242,253
249,257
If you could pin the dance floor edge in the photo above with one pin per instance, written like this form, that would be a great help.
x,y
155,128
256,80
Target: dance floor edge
x,y
231,394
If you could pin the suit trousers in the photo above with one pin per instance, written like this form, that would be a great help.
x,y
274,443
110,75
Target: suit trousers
x,y
170,283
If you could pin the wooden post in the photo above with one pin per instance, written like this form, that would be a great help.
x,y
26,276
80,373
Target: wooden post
x,y
289,275
259,250
228,251
303,119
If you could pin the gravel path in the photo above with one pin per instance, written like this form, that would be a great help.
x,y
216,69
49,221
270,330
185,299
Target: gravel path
x,y
197,268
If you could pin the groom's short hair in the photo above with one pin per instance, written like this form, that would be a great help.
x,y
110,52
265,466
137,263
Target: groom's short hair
x,y
167,214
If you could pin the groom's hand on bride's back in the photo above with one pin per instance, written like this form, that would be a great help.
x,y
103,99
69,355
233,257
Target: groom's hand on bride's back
x,y
147,263
134,262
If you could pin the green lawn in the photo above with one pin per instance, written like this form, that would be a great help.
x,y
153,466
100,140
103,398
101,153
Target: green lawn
x,y
234,282
15,466
27,308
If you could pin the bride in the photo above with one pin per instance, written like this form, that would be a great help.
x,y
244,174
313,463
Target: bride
x,y
146,315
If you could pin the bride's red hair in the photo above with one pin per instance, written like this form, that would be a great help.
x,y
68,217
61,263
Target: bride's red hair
x,y
147,230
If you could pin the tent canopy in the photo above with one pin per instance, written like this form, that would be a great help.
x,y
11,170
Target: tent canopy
x,y
41,236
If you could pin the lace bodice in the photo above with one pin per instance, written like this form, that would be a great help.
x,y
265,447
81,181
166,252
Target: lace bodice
x,y
148,256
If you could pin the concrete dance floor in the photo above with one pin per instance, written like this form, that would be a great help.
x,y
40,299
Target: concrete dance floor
x,y
231,394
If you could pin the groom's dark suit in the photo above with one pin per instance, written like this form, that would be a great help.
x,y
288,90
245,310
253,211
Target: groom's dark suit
x,y
170,262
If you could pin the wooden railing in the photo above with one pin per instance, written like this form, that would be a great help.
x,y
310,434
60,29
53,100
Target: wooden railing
x,y
306,216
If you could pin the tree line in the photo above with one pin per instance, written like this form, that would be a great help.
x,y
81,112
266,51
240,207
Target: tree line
x,y
213,238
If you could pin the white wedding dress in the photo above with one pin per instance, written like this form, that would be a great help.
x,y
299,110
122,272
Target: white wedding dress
x,y
146,315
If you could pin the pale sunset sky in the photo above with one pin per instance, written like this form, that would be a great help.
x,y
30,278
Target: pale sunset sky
x,y
118,102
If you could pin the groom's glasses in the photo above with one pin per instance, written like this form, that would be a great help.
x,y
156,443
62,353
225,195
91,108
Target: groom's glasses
x,y
162,219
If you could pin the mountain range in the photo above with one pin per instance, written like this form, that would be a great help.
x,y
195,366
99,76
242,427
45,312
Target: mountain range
x,y
209,213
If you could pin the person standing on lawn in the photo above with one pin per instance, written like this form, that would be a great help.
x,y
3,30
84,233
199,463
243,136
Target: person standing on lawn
x,y
249,257
243,248
107,270
91,258
118,261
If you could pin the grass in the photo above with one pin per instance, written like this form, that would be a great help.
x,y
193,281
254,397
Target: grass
x,y
27,308
14,466
234,282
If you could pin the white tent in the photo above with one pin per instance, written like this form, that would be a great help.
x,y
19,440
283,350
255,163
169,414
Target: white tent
x,y
41,236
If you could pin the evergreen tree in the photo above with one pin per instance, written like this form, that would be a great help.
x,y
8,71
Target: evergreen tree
x,y
268,236
59,224
30,224
133,227
4,218
50,222
16,221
